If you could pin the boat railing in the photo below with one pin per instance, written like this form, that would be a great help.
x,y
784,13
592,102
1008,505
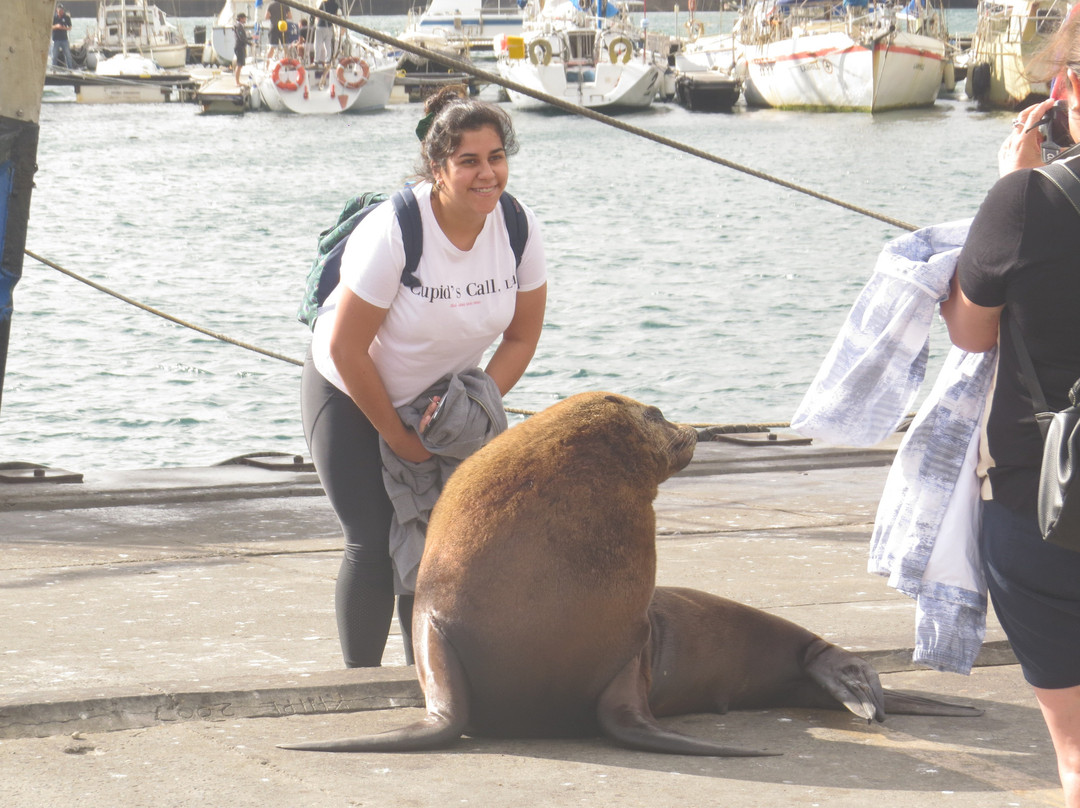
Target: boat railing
x,y
1019,24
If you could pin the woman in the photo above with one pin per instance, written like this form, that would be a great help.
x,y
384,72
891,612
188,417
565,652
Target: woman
x,y
1021,261
382,344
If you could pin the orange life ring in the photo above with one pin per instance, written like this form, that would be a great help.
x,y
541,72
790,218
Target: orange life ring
x,y
359,69
288,85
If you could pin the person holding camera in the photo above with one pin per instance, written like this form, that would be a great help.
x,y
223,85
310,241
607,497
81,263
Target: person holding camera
x,y
1018,267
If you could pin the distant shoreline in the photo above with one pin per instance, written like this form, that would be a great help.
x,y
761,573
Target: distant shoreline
x,y
211,8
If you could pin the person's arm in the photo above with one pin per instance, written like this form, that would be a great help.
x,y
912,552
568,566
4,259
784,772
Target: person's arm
x,y
519,340
354,330
971,327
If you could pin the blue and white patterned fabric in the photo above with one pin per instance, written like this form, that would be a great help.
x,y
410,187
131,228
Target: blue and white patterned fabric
x,y
926,528
868,381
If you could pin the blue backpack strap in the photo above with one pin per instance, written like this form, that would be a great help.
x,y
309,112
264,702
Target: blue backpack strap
x,y
517,225
412,234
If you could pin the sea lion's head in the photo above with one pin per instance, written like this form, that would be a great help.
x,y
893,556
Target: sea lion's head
x,y
606,433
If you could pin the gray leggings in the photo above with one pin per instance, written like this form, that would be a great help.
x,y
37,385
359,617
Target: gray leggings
x,y
345,449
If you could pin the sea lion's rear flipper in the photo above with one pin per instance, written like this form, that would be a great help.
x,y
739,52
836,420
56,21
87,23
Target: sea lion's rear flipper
x,y
624,716
445,691
853,682
849,679
897,703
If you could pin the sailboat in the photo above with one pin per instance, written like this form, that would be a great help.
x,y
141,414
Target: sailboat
x,y
584,54
137,27
1007,34
832,55
471,24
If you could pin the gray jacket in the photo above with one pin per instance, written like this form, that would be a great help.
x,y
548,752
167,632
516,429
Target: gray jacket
x,y
470,415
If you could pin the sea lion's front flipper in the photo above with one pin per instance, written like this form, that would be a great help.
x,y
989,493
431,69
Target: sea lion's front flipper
x,y
849,679
624,716
897,703
446,694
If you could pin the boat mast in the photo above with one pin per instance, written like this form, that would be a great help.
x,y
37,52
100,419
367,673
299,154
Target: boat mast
x,y
24,53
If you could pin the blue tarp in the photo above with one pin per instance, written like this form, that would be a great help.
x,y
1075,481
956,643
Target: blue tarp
x,y
7,281
602,8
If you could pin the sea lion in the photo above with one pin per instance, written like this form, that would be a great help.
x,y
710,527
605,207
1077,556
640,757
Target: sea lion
x,y
536,612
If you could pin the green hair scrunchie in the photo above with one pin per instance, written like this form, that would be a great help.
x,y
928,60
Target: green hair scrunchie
x,y
424,125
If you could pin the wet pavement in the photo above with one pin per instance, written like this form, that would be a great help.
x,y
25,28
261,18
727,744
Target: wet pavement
x,y
164,629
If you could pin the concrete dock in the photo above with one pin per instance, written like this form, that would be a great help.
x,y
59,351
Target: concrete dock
x,y
164,629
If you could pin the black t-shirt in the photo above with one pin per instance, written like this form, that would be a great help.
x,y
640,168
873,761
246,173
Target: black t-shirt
x,y
330,7
61,18
275,12
1023,252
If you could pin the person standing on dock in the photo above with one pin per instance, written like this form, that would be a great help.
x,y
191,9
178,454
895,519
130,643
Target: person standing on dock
x,y
379,345
243,40
1018,268
61,25
324,32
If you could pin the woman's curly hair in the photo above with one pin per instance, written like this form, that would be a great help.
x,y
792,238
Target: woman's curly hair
x,y
452,114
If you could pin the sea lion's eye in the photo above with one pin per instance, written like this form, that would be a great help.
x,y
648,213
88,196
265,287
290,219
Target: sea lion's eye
x,y
654,414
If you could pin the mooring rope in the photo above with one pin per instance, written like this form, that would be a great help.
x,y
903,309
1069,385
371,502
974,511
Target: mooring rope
x,y
159,312
577,109
291,360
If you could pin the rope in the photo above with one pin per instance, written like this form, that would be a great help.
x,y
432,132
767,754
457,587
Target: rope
x,y
223,338
577,109
159,313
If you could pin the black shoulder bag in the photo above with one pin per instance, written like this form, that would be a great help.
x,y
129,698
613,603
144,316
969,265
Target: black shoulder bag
x,y
1059,477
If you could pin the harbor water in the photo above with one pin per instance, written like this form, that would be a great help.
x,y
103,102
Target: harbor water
x,y
693,286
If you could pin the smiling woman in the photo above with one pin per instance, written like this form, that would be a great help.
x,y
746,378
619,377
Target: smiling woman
x,y
385,355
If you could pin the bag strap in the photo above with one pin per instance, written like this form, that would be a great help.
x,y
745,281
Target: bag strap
x,y
412,230
517,225
1064,178
412,233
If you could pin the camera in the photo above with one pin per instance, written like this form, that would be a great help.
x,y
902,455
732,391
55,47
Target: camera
x,y
1054,127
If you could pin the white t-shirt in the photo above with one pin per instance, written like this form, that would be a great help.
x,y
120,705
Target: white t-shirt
x,y
464,303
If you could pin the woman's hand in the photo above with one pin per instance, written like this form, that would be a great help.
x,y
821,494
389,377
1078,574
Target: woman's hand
x,y
1023,147
406,445
355,327
429,413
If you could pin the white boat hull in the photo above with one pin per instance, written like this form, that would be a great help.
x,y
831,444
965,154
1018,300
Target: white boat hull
x,y
607,86
830,71
318,91
166,56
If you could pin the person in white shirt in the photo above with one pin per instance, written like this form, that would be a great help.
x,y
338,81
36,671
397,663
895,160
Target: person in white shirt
x,y
378,344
